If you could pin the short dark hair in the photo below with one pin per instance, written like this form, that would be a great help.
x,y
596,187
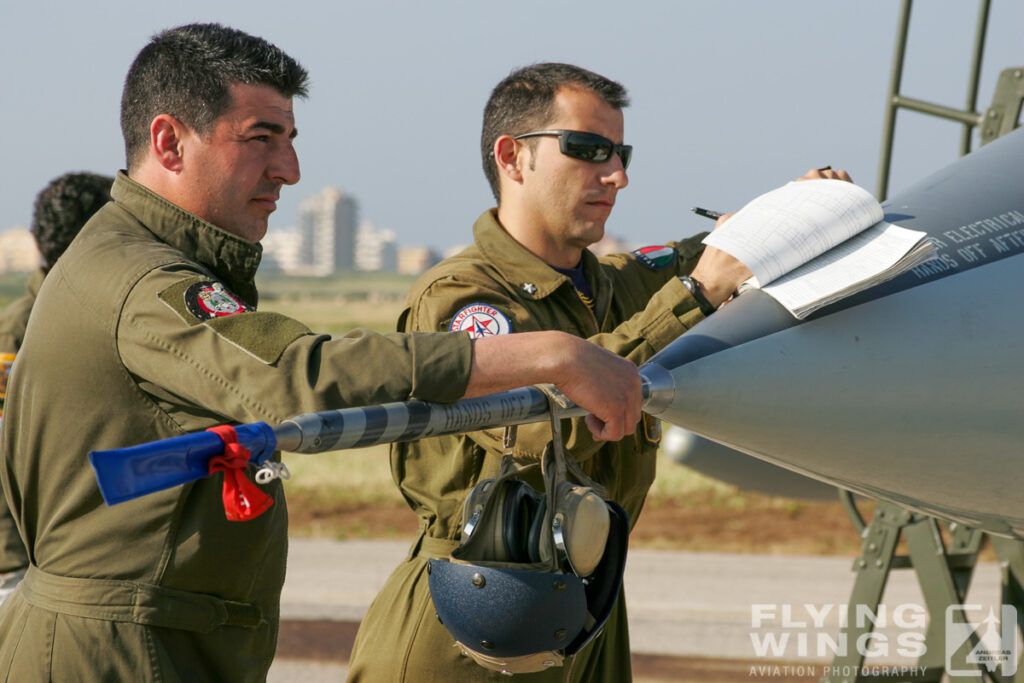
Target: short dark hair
x,y
63,207
187,72
525,101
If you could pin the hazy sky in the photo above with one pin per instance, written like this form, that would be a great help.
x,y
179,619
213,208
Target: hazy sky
x,y
730,98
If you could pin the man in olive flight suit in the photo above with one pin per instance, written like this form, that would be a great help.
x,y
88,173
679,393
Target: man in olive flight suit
x,y
61,209
553,155
146,328
529,269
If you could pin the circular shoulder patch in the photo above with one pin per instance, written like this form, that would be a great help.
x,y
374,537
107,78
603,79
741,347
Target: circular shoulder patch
x,y
208,299
657,257
480,320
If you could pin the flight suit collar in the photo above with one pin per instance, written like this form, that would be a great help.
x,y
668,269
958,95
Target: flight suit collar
x,y
230,257
534,278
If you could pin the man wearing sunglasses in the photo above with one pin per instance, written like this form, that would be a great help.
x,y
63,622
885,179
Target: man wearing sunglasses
x,y
553,152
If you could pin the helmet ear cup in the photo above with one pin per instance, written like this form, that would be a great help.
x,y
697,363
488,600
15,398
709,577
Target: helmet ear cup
x,y
602,589
537,528
581,524
519,517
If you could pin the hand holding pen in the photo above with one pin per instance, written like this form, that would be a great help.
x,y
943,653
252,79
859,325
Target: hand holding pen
x,y
814,173
707,213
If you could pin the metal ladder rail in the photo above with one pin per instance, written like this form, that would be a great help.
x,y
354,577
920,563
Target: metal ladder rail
x,y
969,116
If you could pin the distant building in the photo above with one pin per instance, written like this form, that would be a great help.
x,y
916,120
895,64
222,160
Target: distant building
x,y
376,249
18,251
327,232
281,251
415,260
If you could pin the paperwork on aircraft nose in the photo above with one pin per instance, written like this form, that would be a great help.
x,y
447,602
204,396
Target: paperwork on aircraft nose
x,y
813,242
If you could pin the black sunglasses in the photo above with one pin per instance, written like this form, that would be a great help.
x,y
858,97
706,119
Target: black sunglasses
x,y
585,146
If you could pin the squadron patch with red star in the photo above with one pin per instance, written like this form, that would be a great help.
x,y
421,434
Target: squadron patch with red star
x,y
480,320
207,300
657,257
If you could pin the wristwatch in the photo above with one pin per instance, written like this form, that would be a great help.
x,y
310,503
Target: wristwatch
x,y
697,292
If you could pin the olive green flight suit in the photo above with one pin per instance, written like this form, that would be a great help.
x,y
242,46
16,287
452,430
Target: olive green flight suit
x,y
13,321
637,311
121,350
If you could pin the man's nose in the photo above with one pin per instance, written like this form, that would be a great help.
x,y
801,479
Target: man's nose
x,y
285,166
615,174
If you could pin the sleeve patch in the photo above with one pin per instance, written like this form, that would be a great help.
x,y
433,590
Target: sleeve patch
x,y
652,429
658,257
207,300
480,320
263,335
197,300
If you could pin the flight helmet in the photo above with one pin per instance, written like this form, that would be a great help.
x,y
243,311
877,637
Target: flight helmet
x,y
536,574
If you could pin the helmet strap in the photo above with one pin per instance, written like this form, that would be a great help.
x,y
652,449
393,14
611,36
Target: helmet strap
x,y
558,406
508,446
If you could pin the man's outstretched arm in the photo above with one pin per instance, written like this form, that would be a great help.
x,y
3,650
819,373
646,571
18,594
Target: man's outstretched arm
x,y
603,383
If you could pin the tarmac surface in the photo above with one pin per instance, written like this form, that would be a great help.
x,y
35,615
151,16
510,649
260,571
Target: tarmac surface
x,y
693,616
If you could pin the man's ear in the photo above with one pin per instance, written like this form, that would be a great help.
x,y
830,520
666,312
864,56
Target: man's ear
x,y
509,158
166,137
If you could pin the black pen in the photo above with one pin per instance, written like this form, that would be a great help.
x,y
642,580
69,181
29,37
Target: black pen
x,y
707,213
